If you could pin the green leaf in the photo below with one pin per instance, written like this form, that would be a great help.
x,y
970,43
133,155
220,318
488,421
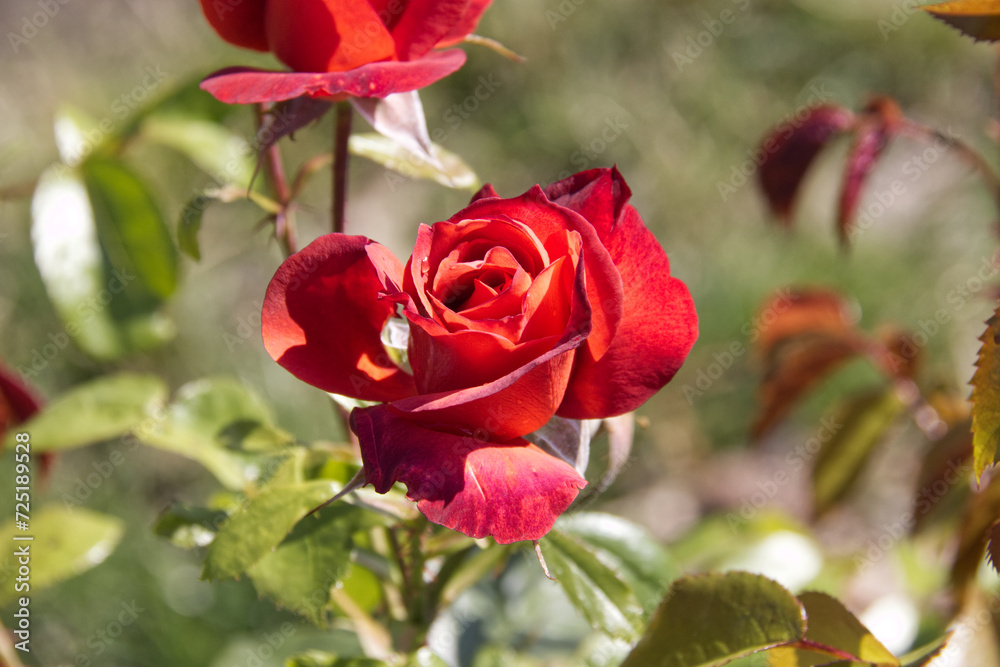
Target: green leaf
x,y
842,459
102,409
986,398
830,624
321,659
598,592
189,527
68,257
66,543
190,224
201,422
223,155
298,574
925,654
451,171
711,619
628,549
262,524
425,658
131,228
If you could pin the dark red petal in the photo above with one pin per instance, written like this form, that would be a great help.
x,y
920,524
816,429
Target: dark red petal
x,y
17,401
424,24
659,325
789,150
485,192
473,11
511,490
243,85
323,318
327,35
549,222
240,23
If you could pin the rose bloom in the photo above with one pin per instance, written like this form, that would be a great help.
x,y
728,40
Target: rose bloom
x,y
340,48
557,302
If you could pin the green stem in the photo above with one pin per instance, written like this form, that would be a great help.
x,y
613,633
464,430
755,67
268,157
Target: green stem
x,y
341,135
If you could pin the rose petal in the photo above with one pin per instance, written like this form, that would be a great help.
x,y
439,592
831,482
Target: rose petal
x,y
323,318
424,24
549,222
327,35
473,12
239,23
511,406
485,192
511,490
243,85
659,325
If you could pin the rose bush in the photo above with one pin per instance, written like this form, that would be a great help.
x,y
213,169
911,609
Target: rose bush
x,y
557,302
340,48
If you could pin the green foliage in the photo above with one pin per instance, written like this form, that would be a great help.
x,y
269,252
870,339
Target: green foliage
x,y
712,619
864,424
66,542
594,588
99,410
986,398
450,171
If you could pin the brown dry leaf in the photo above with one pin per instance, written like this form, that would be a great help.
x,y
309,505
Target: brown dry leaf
x,y
979,19
791,313
795,367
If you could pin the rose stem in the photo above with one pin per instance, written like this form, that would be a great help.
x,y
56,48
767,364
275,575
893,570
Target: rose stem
x,y
274,171
341,135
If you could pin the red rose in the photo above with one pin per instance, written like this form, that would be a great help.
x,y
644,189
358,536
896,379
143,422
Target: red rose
x,y
557,302
340,48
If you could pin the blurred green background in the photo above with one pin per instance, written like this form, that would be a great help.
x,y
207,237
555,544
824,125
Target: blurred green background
x,y
644,85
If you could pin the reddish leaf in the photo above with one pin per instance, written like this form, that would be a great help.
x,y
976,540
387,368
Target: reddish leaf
x,y
806,335
871,138
986,397
791,148
898,354
979,19
791,313
287,117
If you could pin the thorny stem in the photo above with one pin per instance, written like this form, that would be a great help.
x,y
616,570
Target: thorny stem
x,y
341,135
274,172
